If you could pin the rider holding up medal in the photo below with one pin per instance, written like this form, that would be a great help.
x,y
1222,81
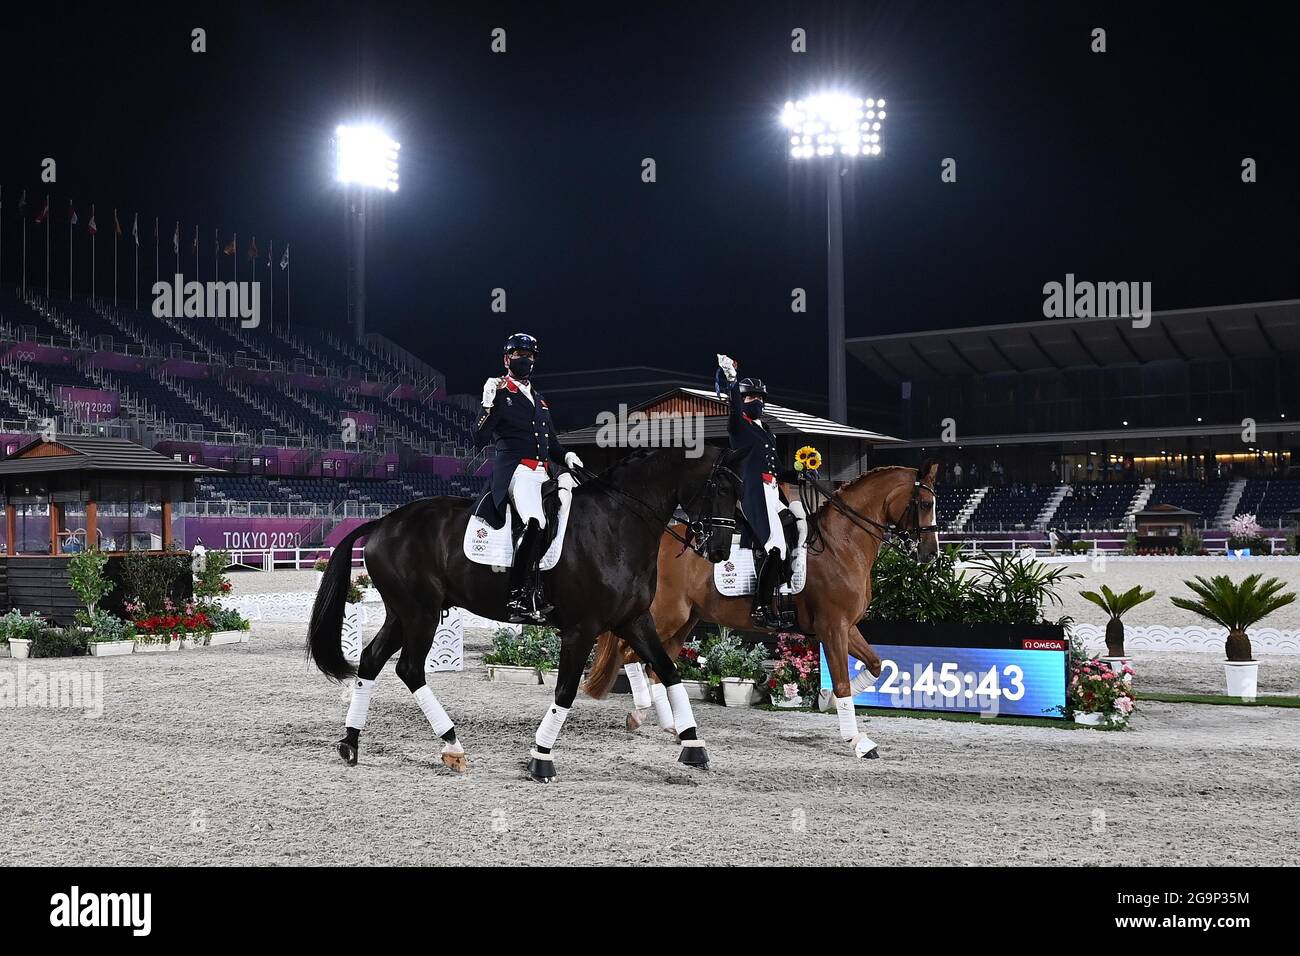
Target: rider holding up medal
x,y
761,501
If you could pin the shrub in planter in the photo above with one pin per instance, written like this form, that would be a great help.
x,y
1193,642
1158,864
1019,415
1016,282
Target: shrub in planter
x,y
1244,532
211,581
730,662
1098,692
17,626
1235,606
60,642
104,627
1191,542
796,674
224,619
87,579
153,579
534,648
1117,605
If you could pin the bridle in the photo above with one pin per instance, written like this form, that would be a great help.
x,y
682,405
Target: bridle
x,y
810,489
699,529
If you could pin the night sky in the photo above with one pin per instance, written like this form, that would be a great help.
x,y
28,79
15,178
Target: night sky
x,y
522,170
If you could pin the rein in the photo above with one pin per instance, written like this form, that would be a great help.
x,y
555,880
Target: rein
x,y
810,489
697,526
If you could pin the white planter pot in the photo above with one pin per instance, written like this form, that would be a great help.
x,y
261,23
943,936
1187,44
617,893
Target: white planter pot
x,y
157,647
696,689
1117,664
549,677
505,674
18,647
227,637
189,643
1090,720
111,648
737,692
1242,679
792,702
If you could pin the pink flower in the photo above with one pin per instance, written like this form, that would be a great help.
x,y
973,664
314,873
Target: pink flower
x,y
791,691
1124,705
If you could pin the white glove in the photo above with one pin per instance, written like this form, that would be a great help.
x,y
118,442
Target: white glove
x,y
490,391
571,460
728,366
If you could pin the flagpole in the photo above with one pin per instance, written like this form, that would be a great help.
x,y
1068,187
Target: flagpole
x,y
2,235
47,248
156,276
115,257
92,256
288,295
135,235
216,246
71,210
176,245
270,267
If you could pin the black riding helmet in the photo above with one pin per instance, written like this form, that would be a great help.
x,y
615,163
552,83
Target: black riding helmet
x,y
752,386
520,340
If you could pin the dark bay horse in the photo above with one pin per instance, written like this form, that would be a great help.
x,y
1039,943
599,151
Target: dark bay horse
x,y
834,598
604,581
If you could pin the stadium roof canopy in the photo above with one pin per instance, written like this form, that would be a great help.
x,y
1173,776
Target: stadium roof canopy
x,y
782,420
95,453
1229,331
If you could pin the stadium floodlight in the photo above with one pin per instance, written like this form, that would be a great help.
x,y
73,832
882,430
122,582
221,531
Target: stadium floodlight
x,y
834,128
834,124
367,156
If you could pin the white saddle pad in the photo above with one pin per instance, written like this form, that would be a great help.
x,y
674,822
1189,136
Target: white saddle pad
x,y
493,546
736,577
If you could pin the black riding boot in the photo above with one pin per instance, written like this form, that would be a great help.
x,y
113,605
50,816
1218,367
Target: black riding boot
x,y
525,579
765,613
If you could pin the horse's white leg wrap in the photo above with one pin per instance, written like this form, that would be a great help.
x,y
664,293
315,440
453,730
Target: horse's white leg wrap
x,y
438,718
860,683
683,716
663,709
848,717
551,724
360,706
640,686
862,744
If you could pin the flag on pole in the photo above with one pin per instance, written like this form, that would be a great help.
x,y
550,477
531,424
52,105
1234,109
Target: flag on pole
x,y
135,229
45,211
72,214
176,239
155,229
196,240
284,260
268,254
230,248
117,226
90,226
252,249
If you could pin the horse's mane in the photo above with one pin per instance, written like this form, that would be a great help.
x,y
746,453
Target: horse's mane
x,y
865,476
615,471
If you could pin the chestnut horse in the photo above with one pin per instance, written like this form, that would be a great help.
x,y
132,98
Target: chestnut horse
x,y
834,598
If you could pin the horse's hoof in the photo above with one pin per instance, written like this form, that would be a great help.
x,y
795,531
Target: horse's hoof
x,y
865,748
455,759
541,769
347,752
635,719
694,755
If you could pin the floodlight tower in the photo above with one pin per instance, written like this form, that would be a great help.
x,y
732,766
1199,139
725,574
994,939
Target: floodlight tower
x,y
834,129
366,160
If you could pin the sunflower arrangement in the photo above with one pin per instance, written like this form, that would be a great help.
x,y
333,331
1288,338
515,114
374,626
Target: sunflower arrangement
x,y
807,458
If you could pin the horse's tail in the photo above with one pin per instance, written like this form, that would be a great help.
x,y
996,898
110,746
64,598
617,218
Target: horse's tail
x,y
604,669
325,633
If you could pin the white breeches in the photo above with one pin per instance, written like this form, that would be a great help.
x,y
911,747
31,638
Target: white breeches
x,y
775,534
526,493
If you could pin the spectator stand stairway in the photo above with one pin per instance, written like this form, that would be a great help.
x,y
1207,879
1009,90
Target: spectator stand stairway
x,y
968,509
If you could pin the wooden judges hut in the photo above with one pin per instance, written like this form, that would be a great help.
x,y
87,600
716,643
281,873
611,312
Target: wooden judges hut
x,y
77,492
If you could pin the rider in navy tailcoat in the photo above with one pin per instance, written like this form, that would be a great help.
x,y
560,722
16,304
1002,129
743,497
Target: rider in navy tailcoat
x,y
518,419
761,500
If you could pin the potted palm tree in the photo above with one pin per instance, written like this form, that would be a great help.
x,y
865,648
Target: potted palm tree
x,y
1116,605
1236,606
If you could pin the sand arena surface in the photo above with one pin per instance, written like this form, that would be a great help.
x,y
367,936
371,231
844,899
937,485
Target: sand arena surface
x,y
224,756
